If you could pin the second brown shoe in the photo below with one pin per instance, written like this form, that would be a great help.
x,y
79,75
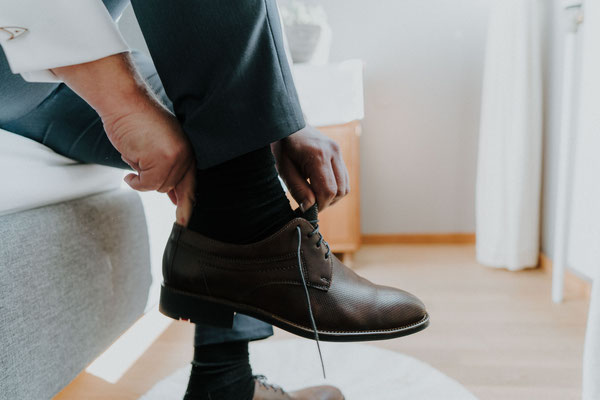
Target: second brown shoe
x,y
263,390
290,280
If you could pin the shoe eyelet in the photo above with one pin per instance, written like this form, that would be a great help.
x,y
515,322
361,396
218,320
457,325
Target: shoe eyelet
x,y
318,246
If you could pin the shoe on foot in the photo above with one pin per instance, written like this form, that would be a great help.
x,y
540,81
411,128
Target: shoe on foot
x,y
267,391
290,280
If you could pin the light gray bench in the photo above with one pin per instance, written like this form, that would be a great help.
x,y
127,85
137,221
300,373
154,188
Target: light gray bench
x,y
73,277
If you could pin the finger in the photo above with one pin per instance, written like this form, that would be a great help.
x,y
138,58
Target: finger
x,y
347,175
298,186
133,180
143,182
341,178
348,185
323,184
179,167
173,196
341,172
185,191
172,178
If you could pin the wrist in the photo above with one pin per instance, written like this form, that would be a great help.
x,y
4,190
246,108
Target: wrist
x,y
110,85
126,102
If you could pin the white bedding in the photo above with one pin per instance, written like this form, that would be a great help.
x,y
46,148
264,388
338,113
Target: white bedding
x,y
32,175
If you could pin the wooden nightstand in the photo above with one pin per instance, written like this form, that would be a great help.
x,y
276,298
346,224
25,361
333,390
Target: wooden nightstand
x,y
331,96
340,224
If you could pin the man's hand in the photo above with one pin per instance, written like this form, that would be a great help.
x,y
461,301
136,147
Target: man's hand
x,y
147,135
151,141
308,154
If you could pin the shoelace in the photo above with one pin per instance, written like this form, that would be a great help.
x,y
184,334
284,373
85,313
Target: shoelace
x,y
262,381
315,223
310,312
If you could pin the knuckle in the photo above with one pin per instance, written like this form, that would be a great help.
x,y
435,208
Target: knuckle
x,y
335,147
320,153
322,202
174,154
176,151
330,192
168,156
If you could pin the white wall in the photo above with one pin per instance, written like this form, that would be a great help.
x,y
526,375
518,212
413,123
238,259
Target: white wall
x,y
423,76
422,92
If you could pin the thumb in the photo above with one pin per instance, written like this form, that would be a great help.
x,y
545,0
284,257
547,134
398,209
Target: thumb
x,y
184,191
299,188
133,180
172,196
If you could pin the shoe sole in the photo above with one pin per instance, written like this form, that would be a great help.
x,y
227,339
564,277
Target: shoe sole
x,y
206,310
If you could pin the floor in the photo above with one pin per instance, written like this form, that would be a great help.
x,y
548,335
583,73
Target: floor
x,y
494,331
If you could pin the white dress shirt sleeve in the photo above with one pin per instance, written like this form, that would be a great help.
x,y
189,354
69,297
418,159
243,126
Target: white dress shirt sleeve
x,y
57,33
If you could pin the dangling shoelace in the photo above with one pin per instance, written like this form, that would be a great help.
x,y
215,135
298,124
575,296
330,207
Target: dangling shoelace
x,y
310,312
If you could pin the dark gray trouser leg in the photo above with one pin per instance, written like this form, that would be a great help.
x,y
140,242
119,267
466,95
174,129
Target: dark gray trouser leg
x,y
224,68
67,124
223,65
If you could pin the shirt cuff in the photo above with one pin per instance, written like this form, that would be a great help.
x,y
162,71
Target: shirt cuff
x,y
58,33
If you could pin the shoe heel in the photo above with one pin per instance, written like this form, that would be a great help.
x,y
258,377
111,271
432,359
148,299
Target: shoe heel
x,y
182,306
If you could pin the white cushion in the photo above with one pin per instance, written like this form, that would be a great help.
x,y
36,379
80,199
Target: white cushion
x,y
32,175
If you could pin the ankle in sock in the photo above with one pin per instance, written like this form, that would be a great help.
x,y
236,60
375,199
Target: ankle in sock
x,y
241,200
221,372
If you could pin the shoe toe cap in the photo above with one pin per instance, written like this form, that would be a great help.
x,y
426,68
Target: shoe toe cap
x,y
400,308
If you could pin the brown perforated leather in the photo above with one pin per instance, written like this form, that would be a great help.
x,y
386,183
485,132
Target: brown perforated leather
x,y
265,277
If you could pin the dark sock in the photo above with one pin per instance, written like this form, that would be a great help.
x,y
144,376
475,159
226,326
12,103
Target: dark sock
x,y
241,200
221,372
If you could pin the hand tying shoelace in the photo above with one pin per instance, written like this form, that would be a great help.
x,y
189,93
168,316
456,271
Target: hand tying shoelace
x,y
314,222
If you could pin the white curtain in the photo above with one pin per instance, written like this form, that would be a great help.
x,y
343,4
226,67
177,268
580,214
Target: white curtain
x,y
584,237
510,140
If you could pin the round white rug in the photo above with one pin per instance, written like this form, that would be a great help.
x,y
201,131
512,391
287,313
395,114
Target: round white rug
x,y
361,371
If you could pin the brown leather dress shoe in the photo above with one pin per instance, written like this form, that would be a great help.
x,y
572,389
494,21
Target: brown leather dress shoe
x,y
267,391
290,280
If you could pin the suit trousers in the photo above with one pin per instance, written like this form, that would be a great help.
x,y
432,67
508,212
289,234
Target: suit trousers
x,y
219,65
